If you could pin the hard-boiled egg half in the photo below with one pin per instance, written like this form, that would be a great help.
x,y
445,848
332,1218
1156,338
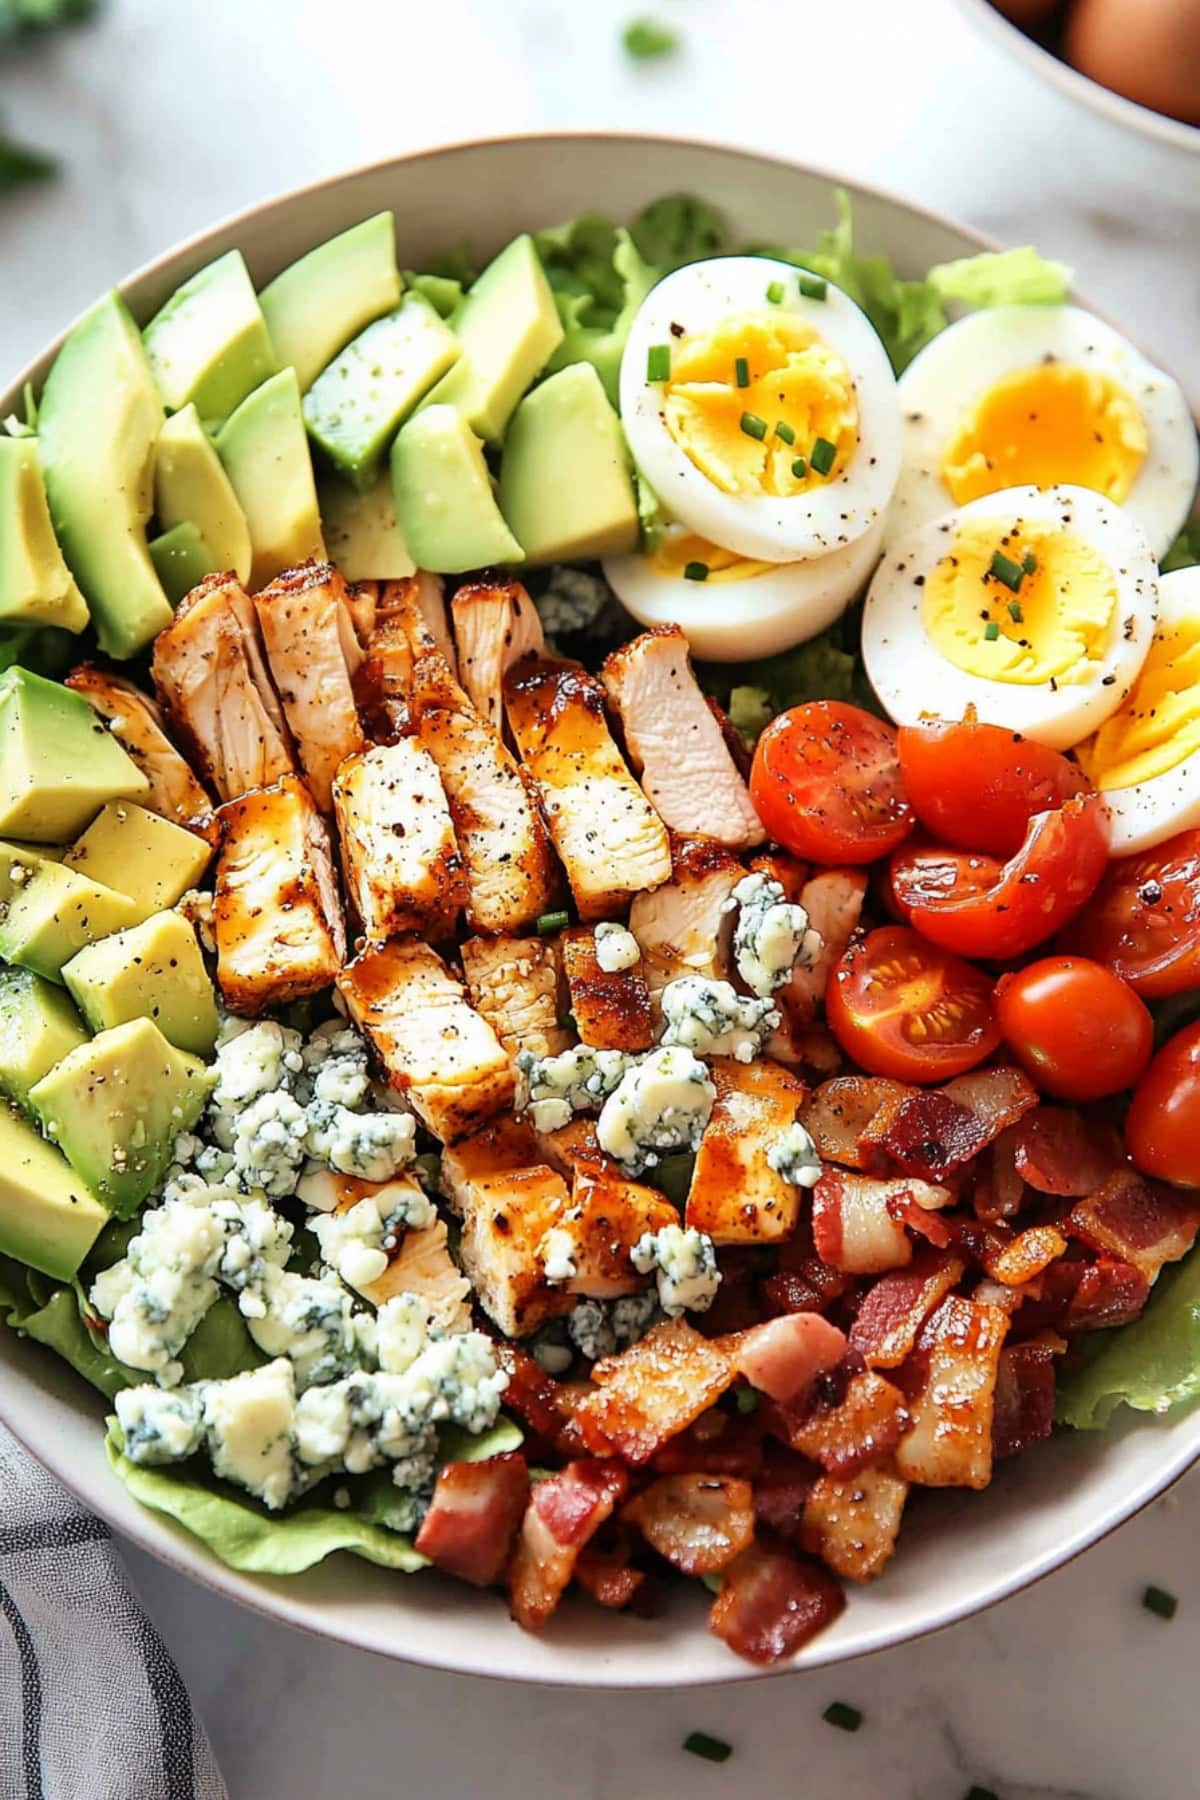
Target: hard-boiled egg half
x,y
1043,396
760,406
1145,758
1035,606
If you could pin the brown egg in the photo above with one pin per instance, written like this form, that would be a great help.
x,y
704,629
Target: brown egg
x,y
1148,50
1026,13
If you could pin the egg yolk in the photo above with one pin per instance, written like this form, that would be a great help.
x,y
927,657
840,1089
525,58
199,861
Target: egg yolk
x,y
1056,627
1159,723
747,401
678,550
1045,425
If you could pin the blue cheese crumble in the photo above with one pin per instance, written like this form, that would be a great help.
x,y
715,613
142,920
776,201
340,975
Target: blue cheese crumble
x,y
661,1104
558,1258
598,1329
358,1241
684,1264
771,935
554,1088
616,948
793,1156
713,1019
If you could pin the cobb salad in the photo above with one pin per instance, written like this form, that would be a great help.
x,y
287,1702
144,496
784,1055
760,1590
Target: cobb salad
x,y
599,934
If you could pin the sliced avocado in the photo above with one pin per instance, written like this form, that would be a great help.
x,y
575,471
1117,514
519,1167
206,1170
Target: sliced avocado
x,y
209,345
141,855
509,328
566,487
38,1027
182,559
361,533
355,406
191,486
265,452
98,420
56,914
445,504
116,1106
318,303
36,586
58,764
152,971
47,1217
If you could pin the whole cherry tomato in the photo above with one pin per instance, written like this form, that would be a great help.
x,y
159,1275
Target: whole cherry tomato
x,y
1162,1129
1144,918
1075,1027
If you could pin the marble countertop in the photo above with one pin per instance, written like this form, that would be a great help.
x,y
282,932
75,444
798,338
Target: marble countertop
x,y
169,116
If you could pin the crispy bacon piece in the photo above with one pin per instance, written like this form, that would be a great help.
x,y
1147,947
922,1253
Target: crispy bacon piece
x,y
1142,1222
697,1522
717,1443
611,1007
833,901
841,1114
1026,1256
950,1384
473,1517
895,1307
781,1489
772,1602
811,1286
1109,1292
998,1096
864,1427
1024,1406
999,1191
652,1391
1057,1151
930,1135
603,1569
908,1211
853,1525
564,1512
783,1356
853,1225
538,1400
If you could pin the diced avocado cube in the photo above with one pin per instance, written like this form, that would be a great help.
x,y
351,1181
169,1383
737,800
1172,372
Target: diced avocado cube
x,y
58,764
38,1027
19,863
355,406
264,448
56,914
318,303
152,971
361,533
566,487
47,1217
36,586
182,559
116,1105
191,487
140,854
509,328
209,344
445,502
98,419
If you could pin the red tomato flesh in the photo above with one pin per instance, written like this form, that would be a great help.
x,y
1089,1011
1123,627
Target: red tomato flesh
x,y
826,784
977,786
1144,919
901,1007
1162,1130
1075,1028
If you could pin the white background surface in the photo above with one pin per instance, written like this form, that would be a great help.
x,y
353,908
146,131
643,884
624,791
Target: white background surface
x,y
171,113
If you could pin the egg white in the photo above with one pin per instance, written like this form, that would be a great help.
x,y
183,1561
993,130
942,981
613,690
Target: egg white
x,y
767,528
958,367
914,680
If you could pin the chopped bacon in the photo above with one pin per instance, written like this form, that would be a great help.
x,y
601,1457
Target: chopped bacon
x,y
717,1443
604,1571
782,1489
784,1356
998,1096
772,1602
950,1384
473,1517
652,1391
1026,1256
853,1228
535,1397
1109,1292
1142,1222
929,1134
738,1303
1024,1406
697,1522
896,1306
564,1511
999,1191
864,1427
908,1211
809,1287
1057,1151
841,1115
852,1525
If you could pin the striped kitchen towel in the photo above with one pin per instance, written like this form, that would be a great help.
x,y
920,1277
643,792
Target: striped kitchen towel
x,y
92,1706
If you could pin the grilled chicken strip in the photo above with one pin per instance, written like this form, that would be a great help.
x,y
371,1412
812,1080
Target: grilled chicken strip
x,y
612,1008
212,680
514,983
609,838
495,625
277,911
418,605
313,650
507,1200
676,743
438,1052
833,900
399,855
362,597
598,1233
137,724
683,927
736,1196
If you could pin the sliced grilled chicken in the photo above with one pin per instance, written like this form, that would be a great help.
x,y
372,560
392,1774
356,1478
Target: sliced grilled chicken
x,y
833,901
676,743
612,1008
610,840
314,652
436,1048
683,927
418,605
212,680
399,855
362,597
495,625
736,1196
570,1145
137,724
277,912
597,1233
507,1200
514,983
384,681
423,1265
511,871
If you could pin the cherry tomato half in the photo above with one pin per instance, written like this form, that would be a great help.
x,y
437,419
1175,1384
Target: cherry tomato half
x,y
826,783
899,1006
1074,1027
1162,1130
982,907
977,786
1144,919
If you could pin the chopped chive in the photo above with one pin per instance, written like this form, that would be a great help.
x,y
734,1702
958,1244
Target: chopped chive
x,y
813,287
1029,563
712,1581
698,1743
1006,570
550,922
991,631
646,37
1015,613
566,1020
741,371
1158,1601
658,362
823,455
746,1400
981,1793
753,426
695,571
775,292
799,468
846,1718
783,430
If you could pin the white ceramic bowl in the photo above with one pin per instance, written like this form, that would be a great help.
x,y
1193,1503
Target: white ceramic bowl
x,y
957,1553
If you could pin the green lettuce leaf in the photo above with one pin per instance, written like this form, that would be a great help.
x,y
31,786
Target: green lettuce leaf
x,y
1017,277
457,1445
443,292
1151,1365
60,1327
828,667
1185,551
43,648
599,281
678,229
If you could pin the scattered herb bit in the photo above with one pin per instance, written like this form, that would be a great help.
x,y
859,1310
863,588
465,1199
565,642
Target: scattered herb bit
x,y
19,165
799,468
1158,1601
823,455
712,1581
1015,613
741,371
846,1718
991,631
753,426
813,287
1029,563
1004,569
550,922
566,1020
645,38
746,1400
775,292
658,362
981,1793
695,571
698,1743
783,430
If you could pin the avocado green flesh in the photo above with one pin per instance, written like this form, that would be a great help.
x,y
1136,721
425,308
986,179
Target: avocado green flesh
x,y
36,586
319,302
152,971
56,914
48,1218
58,765
445,505
209,345
149,859
566,488
361,533
264,448
191,487
181,560
38,1027
98,420
19,863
